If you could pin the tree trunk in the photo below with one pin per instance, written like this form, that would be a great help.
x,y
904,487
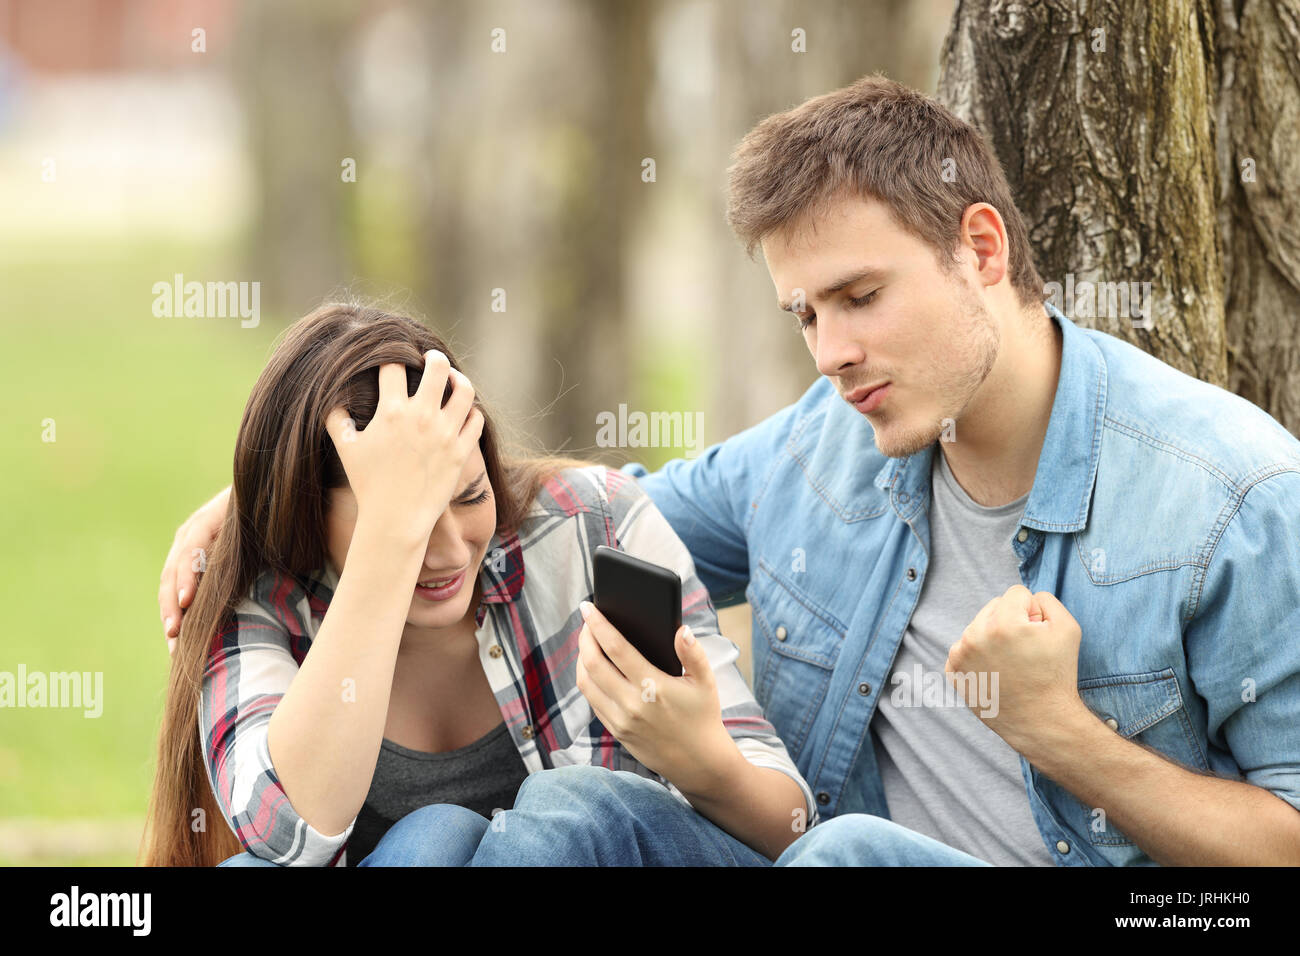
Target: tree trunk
x,y
1123,130
1259,165
287,75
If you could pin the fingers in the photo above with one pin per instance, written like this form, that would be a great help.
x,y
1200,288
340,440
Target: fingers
x,y
433,380
626,658
984,614
603,675
169,609
186,560
695,660
392,384
339,425
461,403
472,430
1052,609
602,705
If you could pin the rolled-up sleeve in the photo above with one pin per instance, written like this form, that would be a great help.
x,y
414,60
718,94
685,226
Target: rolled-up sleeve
x,y
249,670
1243,651
641,530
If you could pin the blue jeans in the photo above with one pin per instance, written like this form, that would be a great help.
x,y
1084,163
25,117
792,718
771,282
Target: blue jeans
x,y
589,816
440,834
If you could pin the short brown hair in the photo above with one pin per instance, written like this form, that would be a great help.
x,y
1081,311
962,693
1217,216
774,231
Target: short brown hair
x,y
880,140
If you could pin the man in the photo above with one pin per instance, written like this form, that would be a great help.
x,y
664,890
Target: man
x,y
970,465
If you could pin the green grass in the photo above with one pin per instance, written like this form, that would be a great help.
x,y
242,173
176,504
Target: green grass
x,y
145,412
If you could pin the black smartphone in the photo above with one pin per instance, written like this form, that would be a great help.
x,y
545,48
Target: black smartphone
x,y
642,600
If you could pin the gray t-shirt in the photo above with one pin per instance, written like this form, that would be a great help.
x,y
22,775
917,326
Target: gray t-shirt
x,y
483,776
945,774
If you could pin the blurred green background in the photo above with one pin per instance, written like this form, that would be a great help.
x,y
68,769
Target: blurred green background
x,y
133,148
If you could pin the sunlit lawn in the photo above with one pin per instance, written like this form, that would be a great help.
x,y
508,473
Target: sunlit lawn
x,y
145,411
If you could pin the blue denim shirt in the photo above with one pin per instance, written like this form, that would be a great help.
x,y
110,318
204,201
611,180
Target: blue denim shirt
x,y
1164,514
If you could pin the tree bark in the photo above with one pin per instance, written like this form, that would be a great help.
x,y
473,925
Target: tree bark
x,y
1259,165
1123,130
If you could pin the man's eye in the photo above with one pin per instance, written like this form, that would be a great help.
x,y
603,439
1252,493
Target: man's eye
x,y
805,322
865,300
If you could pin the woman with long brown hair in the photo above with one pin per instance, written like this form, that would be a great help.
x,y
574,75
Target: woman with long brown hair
x,y
390,635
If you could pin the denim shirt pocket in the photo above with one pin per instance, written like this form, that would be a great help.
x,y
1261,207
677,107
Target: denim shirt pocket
x,y
796,645
1148,709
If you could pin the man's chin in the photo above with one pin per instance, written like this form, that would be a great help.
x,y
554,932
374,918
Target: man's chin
x,y
894,440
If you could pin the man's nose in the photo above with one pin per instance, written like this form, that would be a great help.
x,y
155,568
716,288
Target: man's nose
x,y
837,349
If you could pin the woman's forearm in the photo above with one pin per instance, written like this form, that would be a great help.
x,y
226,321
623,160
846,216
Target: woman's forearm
x,y
325,734
761,807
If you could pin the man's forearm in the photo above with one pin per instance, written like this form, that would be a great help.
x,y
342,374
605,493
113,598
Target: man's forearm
x,y
1177,816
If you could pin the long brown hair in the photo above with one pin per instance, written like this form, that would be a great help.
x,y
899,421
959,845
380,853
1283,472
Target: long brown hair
x,y
285,464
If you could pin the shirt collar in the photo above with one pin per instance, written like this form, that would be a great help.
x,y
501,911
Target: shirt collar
x,y
1067,464
502,574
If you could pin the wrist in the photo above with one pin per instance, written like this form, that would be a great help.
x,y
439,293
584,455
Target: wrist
x,y
387,543
715,773
1053,741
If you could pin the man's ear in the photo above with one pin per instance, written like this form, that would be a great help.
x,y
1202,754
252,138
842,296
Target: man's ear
x,y
983,231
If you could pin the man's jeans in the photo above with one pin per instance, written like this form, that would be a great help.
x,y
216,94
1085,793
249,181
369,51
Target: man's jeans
x,y
590,816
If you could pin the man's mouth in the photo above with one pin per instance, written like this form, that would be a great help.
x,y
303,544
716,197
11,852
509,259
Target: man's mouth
x,y
868,399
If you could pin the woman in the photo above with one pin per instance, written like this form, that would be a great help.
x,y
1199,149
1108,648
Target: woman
x,y
454,660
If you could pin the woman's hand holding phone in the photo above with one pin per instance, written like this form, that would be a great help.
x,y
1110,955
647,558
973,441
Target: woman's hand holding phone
x,y
404,465
673,725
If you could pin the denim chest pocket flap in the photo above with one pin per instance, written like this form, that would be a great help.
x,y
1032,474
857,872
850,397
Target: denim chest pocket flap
x,y
1130,703
793,625
796,645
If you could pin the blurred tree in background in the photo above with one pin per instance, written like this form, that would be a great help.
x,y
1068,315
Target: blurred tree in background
x,y
503,153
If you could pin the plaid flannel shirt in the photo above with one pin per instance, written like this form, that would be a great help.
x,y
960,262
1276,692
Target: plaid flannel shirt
x,y
528,626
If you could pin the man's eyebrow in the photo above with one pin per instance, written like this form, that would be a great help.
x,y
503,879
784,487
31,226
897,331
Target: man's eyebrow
x,y
838,285
473,484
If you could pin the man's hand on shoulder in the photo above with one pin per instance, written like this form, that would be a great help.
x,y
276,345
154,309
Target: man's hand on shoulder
x,y
186,561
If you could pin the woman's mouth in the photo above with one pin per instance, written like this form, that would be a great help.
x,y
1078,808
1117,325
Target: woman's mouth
x,y
440,589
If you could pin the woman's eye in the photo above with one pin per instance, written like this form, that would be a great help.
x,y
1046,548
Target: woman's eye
x,y
804,323
478,499
865,300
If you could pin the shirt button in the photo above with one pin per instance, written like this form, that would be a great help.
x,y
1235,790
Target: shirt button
x,y
781,633
1023,536
1062,846
902,496
823,798
1112,723
864,688
911,574
495,650
527,732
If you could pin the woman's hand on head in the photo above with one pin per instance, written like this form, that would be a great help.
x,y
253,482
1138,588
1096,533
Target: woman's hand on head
x,y
186,561
404,466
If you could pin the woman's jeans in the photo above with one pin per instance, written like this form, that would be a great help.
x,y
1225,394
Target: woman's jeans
x,y
440,834
590,816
